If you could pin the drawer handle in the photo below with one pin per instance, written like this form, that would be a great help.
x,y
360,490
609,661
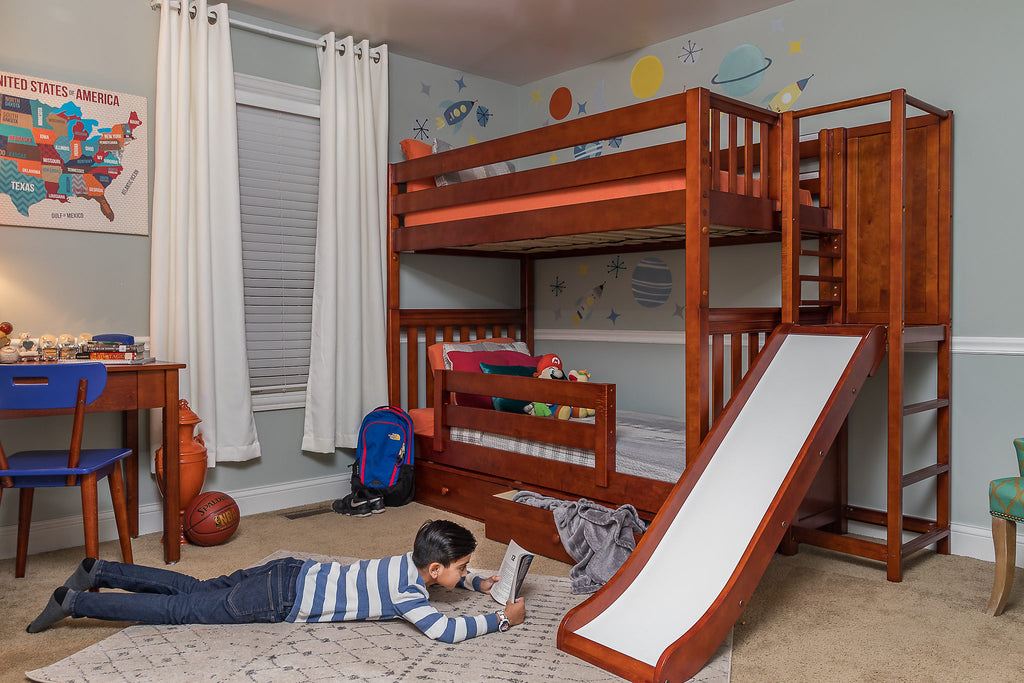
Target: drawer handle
x,y
444,490
555,538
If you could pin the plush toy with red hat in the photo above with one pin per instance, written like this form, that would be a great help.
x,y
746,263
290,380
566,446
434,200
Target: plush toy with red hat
x,y
549,367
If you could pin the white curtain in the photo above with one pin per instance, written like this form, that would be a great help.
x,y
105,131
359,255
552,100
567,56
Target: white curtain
x,y
196,310
348,360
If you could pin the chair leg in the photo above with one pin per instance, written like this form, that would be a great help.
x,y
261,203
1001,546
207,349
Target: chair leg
x,y
90,515
1004,535
25,497
116,483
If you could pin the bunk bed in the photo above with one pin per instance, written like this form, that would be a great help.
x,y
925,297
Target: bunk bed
x,y
741,175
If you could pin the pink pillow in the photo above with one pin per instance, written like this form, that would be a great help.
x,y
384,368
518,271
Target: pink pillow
x,y
469,361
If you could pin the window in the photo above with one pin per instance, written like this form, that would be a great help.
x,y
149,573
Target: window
x,y
278,168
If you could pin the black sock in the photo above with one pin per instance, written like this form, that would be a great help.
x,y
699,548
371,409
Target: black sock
x,y
84,576
55,610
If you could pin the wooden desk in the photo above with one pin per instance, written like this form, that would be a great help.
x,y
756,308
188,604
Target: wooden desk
x,y
131,388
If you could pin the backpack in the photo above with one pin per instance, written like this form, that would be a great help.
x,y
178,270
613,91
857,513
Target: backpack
x,y
384,456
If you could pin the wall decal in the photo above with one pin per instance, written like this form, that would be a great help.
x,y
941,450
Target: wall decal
x,y
454,114
613,316
600,104
646,77
587,151
558,286
795,46
424,89
585,304
483,115
741,70
461,82
777,25
652,282
420,130
690,53
535,97
787,97
581,108
616,267
560,103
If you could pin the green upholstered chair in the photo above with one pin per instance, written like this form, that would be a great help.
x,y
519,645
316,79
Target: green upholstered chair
x,y
1006,504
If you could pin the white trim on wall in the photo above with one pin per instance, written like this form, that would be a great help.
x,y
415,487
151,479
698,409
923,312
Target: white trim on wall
x,y
990,346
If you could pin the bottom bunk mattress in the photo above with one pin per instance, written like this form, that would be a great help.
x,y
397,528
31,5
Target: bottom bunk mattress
x,y
646,445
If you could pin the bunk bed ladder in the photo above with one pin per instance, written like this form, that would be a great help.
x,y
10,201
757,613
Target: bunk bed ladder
x,y
831,248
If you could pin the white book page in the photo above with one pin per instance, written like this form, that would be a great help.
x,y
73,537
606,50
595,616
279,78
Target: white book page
x,y
504,589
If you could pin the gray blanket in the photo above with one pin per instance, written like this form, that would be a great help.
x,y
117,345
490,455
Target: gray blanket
x,y
598,538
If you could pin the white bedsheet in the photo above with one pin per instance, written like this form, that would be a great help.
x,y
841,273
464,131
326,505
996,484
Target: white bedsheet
x,y
646,445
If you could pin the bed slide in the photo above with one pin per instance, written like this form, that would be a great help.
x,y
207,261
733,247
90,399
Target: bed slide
x,y
669,607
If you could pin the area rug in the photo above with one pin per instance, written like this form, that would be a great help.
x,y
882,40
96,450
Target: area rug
x,y
380,651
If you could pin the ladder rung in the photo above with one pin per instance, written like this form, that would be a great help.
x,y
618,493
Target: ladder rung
x,y
821,254
934,404
820,302
923,541
821,278
924,473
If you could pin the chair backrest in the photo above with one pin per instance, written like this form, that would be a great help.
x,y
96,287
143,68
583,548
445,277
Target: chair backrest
x,y
31,386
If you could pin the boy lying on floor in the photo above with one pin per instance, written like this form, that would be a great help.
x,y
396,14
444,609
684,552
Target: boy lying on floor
x,y
290,589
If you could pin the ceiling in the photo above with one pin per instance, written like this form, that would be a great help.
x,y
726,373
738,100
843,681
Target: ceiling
x,y
511,41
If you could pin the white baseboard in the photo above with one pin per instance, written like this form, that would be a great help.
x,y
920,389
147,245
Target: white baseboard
x,y
66,532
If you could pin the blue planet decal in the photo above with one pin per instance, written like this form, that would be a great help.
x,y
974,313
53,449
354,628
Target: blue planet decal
x,y
652,282
587,151
741,70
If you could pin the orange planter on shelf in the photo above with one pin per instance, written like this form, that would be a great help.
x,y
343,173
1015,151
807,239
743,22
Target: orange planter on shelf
x,y
192,463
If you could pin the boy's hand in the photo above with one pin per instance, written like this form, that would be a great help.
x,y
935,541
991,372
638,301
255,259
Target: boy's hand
x,y
485,585
515,612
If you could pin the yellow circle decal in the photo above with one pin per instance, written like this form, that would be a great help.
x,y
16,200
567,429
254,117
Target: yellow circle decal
x,y
647,76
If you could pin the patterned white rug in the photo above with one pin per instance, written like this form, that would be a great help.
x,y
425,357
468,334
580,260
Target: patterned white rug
x,y
380,651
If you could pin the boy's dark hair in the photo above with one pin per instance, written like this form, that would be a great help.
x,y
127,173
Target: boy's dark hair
x,y
441,541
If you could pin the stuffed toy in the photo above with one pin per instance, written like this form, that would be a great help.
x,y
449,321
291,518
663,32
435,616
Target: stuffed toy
x,y
550,367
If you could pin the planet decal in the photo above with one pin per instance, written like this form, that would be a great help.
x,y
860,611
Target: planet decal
x,y
646,78
741,70
587,151
560,103
652,282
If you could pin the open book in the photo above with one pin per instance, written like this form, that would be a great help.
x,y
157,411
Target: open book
x,y
513,572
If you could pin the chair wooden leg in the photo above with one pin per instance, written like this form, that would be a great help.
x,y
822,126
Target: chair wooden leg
x,y
25,497
116,483
90,515
1004,535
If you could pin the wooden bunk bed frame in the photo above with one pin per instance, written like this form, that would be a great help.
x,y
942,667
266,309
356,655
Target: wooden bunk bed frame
x,y
883,197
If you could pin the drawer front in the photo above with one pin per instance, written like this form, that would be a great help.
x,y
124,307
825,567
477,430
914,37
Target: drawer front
x,y
531,527
449,490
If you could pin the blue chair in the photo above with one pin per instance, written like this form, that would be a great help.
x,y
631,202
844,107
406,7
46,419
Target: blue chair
x,y
1006,505
70,386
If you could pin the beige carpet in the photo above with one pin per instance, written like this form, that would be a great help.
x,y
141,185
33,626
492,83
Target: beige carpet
x,y
379,652
815,616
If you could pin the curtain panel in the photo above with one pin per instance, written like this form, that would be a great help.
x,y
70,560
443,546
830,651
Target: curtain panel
x,y
196,303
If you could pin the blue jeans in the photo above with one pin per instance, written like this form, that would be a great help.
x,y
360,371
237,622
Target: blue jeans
x,y
161,596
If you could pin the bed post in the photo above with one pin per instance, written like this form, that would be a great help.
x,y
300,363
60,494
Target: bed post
x,y
526,276
790,218
698,222
393,322
897,285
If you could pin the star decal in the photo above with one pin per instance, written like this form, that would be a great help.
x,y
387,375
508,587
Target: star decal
x,y
558,286
420,129
461,82
613,316
472,139
679,311
776,25
794,46
553,158
690,53
535,97
424,88
581,108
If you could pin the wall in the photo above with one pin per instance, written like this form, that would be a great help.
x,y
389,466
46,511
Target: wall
x,y
956,56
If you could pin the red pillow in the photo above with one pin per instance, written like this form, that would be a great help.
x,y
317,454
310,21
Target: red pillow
x,y
469,361
414,149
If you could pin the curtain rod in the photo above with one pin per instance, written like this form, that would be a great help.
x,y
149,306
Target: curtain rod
x,y
262,30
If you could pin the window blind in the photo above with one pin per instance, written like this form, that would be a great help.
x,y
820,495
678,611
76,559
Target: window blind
x,y
278,164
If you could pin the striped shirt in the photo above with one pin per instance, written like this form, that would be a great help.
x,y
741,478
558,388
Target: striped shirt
x,y
389,588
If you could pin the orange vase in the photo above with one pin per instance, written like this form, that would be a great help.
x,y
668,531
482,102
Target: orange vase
x,y
191,463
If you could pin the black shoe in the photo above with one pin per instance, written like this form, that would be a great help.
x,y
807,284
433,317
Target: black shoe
x,y
376,503
356,505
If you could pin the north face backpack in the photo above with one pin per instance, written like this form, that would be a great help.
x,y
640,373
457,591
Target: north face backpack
x,y
384,456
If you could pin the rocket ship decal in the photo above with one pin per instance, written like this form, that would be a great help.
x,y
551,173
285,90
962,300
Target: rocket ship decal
x,y
787,97
585,303
454,114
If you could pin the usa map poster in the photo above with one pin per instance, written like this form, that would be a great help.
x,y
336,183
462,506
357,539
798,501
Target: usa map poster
x,y
72,156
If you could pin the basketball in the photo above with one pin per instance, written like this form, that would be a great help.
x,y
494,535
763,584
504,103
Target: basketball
x,y
211,518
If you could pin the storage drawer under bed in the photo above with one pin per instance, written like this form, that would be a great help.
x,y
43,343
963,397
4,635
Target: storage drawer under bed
x,y
533,528
448,489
